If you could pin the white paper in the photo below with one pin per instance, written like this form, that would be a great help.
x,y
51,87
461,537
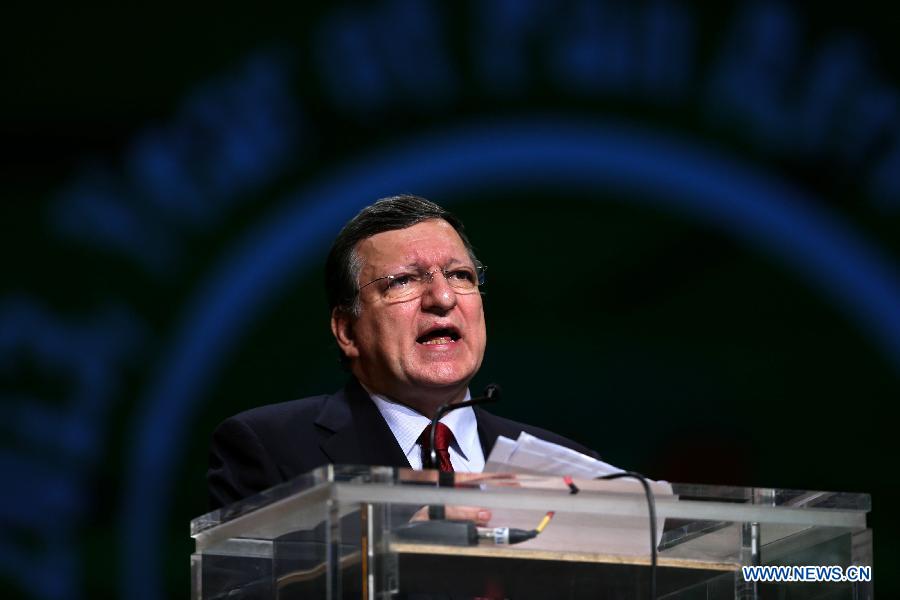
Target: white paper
x,y
573,532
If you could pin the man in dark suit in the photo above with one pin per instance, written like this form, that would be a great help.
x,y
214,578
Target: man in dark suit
x,y
403,286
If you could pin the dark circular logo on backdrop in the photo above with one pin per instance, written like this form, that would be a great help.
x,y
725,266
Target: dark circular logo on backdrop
x,y
240,133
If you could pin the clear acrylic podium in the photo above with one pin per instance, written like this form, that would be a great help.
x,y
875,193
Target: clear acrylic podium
x,y
341,532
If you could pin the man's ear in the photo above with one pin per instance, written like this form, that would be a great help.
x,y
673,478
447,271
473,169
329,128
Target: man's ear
x,y
342,328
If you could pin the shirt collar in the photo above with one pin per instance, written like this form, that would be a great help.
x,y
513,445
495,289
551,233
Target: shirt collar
x,y
407,424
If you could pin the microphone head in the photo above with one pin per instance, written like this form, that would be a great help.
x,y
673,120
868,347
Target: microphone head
x,y
492,392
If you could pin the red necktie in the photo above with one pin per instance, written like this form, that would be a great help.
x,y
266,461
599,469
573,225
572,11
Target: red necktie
x,y
443,437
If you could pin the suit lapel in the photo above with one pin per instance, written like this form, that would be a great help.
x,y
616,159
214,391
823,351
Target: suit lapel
x,y
490,427
488,430
355,433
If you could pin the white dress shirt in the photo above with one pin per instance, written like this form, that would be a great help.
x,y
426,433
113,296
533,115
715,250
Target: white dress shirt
x,y
407,425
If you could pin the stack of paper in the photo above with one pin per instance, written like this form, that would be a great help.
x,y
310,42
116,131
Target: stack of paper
x,y
573,531
529,454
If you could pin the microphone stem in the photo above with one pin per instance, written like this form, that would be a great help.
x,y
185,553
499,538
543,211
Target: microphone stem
x,y
491,394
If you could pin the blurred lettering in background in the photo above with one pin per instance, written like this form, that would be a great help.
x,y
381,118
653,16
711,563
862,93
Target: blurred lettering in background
x,y
173,280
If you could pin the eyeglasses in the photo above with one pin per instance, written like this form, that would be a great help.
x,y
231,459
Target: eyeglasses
x,y
406,286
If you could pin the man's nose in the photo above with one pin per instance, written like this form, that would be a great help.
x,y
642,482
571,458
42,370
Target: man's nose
x,y
439,295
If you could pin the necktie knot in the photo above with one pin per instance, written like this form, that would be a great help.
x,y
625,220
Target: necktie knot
x,y
443,437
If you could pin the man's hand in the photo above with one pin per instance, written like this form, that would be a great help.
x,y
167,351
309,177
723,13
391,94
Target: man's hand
x,y
481,516
452,512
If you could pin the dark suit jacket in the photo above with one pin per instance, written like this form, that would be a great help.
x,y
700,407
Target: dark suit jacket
x,y
265,446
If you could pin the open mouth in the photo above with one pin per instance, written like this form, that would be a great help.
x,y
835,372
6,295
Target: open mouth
x,y
446,335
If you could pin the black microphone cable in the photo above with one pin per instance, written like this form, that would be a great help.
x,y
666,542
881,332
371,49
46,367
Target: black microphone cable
x,y
651,507
492,394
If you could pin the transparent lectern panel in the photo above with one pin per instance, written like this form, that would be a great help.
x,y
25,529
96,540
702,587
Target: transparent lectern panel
x,y
378,533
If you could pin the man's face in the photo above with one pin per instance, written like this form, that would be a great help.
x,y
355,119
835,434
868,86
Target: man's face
x,y
427,346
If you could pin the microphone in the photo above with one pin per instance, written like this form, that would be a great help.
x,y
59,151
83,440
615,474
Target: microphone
x,y
461,533
491,394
